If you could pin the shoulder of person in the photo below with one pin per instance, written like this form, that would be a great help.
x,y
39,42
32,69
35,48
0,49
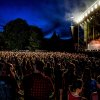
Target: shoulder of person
x,y
83,98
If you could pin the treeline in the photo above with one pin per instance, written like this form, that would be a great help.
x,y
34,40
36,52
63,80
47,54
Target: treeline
x,y
18,35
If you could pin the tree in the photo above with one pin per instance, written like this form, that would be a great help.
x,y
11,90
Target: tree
x,y
16,34
36,37
2,42
19,35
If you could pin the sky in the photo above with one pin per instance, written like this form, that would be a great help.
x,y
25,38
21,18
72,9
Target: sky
x,y
49,15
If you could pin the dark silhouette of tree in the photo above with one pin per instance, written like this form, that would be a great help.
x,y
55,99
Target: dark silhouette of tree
x,y
38,31
2,42
16,34
36,37
19,35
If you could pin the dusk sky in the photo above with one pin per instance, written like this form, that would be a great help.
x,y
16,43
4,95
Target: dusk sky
x,y
49,15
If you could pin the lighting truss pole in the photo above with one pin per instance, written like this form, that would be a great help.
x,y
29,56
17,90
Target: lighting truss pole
x,y
93,27
78,36
93,32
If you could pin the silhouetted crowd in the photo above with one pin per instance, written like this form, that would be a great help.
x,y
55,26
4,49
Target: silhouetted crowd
x,y
49,76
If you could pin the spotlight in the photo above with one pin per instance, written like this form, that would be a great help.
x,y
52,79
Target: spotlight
x,y
86,14
88,20
99,3
92,9
95,6
88,11
91,18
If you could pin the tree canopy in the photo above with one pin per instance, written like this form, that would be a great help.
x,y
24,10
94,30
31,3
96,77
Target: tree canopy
x,y
19,35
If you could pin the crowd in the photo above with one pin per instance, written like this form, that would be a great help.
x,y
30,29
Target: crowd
x,y
49,76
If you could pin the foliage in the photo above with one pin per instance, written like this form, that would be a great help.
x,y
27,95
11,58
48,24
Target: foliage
x,y
19,35
36,37
2,42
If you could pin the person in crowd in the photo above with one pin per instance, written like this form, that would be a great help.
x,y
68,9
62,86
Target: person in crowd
x,y
75,90
48,70
37,86
69,77
8,84
58,82
23,63
90,84
98,86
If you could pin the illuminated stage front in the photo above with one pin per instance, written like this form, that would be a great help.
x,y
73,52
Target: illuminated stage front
x,y
94,45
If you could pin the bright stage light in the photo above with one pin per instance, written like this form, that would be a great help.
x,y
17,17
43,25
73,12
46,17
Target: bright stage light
x,y
92,9
82,17
99,3
95,6
78,20
88,20
91,18
88,12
